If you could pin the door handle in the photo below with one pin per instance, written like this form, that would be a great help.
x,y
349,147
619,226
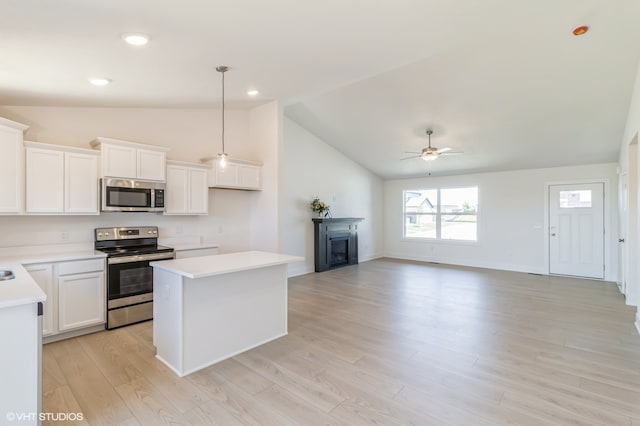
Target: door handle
x,y
553,234
621,240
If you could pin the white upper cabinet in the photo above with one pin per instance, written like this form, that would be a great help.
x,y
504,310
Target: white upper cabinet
x,y
11,166
119,161
61,179
198,191
80,182
45,180
237,174
130,160
249,176
176,195
151,164
186,191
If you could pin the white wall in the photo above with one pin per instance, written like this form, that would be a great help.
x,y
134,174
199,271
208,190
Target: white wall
x,y
628,164
310,167
265,134
511,221
190,133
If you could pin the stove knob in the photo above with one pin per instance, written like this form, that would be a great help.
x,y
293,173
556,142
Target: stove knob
x,y
99,234
149,232
155,232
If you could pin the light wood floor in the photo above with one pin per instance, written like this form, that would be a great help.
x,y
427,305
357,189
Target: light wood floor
x,y
384,342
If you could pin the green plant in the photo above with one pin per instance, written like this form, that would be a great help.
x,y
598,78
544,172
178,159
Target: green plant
x,y
319,206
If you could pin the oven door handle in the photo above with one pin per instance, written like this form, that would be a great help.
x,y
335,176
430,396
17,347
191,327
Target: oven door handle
x,y
140,258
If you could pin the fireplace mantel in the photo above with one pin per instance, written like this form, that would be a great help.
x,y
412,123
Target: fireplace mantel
x,y
336,242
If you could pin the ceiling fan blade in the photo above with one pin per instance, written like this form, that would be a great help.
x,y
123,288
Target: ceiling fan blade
x,y
412,152
409,158
445,149
451,153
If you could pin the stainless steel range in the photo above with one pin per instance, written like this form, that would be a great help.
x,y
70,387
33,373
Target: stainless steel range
x,y
129,276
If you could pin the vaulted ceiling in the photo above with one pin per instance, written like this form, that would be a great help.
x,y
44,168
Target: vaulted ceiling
x,y
506,82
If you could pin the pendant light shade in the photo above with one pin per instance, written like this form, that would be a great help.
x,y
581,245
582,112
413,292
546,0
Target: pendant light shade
x,y
222,156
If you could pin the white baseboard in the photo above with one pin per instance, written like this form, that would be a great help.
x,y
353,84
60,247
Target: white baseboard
x,y
72,333
369,257
471,263
301,268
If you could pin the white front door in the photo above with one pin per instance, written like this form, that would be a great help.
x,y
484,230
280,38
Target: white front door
x,y
576,230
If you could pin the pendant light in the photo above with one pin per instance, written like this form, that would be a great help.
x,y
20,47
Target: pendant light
x,y
222,157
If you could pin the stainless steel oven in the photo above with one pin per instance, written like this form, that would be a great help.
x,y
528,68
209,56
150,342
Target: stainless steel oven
x,y
129,276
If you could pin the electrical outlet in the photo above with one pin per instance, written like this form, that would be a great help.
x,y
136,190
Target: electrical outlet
x,y
65,236
219,229
179,229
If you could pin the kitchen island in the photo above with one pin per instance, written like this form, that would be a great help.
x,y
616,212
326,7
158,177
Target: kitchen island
x,y
210,308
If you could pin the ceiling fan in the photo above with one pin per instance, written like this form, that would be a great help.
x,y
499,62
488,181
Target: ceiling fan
x,y
431,152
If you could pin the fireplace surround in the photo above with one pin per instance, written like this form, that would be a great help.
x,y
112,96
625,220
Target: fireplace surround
x,y
335,242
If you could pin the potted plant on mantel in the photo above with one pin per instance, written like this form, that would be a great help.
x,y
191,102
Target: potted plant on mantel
x,y
323,209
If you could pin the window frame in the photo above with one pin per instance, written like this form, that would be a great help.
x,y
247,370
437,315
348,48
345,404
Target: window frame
x,y
439,215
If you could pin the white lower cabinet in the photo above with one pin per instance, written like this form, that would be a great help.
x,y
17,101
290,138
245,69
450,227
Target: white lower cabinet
x,y
81,300
76,295
42,274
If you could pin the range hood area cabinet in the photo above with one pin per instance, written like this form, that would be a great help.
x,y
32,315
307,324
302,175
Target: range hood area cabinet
x,y
60,179
131,160
237,174
11,166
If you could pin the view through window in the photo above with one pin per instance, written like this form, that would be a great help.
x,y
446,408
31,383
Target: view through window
x,y
442,213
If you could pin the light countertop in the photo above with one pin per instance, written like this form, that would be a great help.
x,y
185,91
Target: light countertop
x,y
20,290
60,257
23,289
193,246
205,266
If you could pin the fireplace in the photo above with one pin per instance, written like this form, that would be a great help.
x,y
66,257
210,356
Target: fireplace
x,y
336,242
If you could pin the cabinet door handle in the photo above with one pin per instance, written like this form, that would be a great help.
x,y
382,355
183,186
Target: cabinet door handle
x,y
553,234
621,240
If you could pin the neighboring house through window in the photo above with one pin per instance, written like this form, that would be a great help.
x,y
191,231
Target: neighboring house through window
x,y
441,213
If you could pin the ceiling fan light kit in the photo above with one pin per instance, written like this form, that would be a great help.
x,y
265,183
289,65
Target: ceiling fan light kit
x,y
431,153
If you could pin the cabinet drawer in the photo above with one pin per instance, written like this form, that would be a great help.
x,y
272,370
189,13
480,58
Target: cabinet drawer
x,y
80,266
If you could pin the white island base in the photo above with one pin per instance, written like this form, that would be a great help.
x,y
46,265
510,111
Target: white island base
x,y
210,308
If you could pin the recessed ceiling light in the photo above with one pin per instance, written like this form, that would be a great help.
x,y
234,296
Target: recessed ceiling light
x,y
99,81
578,31
252,92
136,39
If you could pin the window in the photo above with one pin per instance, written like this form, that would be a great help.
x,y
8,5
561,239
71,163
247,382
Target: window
x,y
442,214
575,199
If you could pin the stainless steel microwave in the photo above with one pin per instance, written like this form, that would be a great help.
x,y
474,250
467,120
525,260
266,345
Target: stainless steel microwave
x,y
131,195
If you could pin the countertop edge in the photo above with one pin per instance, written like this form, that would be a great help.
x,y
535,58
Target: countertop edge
x,y
23,289
282,259
23,301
